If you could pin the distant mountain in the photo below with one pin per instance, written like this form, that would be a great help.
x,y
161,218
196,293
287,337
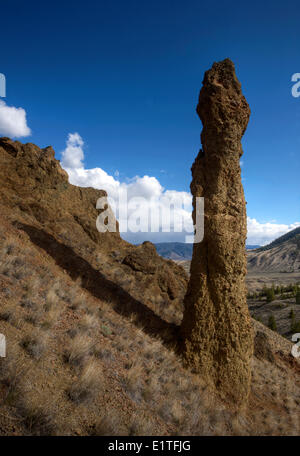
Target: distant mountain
x,y
281,255
175,250
252,247
181,251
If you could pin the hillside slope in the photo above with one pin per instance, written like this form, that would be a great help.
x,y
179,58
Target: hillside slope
x,y
91,324
282,255
61,219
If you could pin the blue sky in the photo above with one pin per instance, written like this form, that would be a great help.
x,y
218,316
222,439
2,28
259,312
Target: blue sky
x,y
126,77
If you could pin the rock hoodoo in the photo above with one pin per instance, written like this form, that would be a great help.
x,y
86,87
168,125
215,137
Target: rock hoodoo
x,y
216,327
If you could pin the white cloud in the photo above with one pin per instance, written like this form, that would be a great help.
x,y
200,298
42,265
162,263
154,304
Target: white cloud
x,y
13,121
147,187
73,156
264,233
154,194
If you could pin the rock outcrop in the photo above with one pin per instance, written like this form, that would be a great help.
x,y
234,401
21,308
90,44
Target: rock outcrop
x,y
216,327
34,184
61,219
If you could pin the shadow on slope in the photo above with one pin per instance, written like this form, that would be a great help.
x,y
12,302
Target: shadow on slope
x,y
101,287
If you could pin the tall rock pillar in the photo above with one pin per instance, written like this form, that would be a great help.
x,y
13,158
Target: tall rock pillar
x,y
217,339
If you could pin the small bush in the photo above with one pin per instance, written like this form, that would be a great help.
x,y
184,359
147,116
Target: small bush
x,y
272,323
270,295
295,326
292,314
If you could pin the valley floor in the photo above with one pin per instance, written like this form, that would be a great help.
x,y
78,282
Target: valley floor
x,y
257,280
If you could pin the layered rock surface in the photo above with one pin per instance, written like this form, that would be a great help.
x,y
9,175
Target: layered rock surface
x,y
216,328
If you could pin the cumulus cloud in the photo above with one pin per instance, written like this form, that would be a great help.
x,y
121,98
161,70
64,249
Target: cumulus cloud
x,y
156,202
264,233
13,121
73,156
143,196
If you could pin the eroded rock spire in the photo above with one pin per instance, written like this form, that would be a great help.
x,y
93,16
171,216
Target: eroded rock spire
x,y
216,327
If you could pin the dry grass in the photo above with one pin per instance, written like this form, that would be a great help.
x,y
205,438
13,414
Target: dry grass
x,y
133,380
52,309
103,353
110,424
51,299
79,350
31,287
88,322
109,358
7,314
12,370
88,385
152,389
34,344
37,418
141,424
14,267
75,298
